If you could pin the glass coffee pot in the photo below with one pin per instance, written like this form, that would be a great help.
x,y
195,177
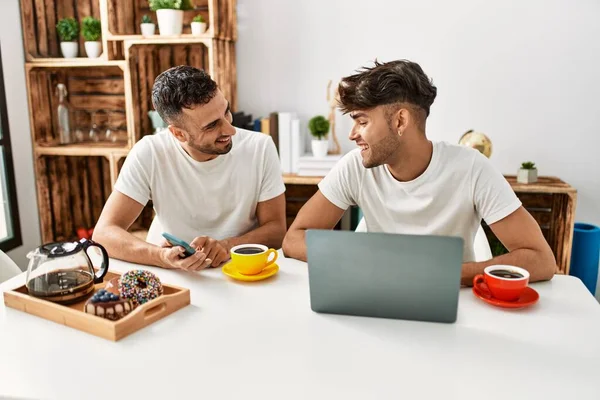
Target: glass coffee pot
x,y
63,272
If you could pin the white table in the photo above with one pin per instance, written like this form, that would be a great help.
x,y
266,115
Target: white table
x,y
261,340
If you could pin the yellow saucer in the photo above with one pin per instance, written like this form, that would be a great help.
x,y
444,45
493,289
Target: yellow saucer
x,y
231,271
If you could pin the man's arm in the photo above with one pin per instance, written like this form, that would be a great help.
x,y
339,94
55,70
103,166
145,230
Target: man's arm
x,y
528,249
117,216
317,213
272,225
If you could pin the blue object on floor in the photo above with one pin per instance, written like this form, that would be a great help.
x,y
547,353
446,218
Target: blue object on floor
x,y
585,255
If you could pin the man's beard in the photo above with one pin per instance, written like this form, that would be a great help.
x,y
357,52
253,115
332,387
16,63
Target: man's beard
x,y
380,152
212,149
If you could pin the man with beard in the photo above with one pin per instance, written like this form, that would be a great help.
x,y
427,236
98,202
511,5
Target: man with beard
x,y
211,185
404,183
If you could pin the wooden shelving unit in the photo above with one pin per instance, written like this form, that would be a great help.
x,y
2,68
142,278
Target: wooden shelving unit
x,y
74,181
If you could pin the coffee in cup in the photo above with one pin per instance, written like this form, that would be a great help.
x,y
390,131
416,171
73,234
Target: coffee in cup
x,y
251,259
504,282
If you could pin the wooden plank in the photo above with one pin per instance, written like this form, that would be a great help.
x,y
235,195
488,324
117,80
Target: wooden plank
x,y
44,202
28,19
98,102
83,10
53,39
536,200
113,24
84,184
180,55
75,193
66,209
165,58
569,222
128,17
120,16
545,184
96,184
144,126
57,210
41,98
96,86
107,72
106,179
95,7
42,29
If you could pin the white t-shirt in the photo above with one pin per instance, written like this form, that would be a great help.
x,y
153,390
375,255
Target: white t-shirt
x,y
217,198
458,189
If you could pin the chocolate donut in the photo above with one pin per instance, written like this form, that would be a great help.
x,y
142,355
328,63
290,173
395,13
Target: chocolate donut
x,y
108,305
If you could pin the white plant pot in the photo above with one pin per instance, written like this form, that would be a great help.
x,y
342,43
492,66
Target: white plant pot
x,y
148,29
319,148
69,49
527,175
170,22
93,49
198,28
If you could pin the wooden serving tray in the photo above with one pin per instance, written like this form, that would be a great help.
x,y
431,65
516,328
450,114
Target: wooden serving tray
x,y
173,299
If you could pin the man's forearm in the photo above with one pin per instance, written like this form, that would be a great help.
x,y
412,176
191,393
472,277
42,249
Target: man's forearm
x,y
123,245
294,245
270,234
541,266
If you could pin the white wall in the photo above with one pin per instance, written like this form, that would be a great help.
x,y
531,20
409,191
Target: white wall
x,y
527,73
18,119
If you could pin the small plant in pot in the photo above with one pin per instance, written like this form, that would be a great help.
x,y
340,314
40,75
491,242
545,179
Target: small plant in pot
x,y
147,26
68,31
198,25
527,173
91,31
319,127
169,14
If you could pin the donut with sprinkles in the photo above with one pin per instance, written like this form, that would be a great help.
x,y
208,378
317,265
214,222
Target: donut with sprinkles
x,y
140,286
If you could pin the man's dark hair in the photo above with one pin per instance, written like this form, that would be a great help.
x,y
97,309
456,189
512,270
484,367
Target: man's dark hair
x,y
393,82
181,87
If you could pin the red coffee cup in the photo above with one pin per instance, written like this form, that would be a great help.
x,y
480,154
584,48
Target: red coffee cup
x,y
504,282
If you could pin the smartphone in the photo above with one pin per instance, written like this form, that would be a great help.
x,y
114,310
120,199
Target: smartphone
x,y
189,250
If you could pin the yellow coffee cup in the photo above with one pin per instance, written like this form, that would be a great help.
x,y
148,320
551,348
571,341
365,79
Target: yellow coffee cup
x,y
251,259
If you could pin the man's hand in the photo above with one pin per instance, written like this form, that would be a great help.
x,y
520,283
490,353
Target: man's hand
x,y
215,250
171,257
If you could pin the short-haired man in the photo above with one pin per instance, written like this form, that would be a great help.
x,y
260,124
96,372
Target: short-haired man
x,y
211,184
404,183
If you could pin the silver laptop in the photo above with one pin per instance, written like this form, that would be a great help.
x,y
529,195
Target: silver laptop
x,y
384,275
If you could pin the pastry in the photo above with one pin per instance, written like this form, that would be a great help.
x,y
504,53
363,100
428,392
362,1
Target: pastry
x,y
140,286
108,305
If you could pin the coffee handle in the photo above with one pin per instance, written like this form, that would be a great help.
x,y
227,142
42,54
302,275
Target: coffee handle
x,y
479,283
104,267
269,252
478,279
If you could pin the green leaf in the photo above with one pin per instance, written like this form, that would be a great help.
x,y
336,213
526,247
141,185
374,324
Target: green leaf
x,y
146,19
528,165
318,126
68,29
91,29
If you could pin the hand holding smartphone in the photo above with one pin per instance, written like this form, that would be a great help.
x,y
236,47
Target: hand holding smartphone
x,y
189,250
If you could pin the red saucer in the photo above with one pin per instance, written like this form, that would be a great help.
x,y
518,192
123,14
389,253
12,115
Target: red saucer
x,y
528,298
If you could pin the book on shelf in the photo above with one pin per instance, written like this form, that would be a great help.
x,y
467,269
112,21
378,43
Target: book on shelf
x,y
316,166
285,141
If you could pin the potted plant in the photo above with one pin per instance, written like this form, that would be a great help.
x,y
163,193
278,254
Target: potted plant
x,y
319,127
91,31
198,25
68,31
147,26
169,14
527,173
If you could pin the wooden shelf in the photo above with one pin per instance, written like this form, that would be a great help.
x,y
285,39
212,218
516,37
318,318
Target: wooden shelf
x,y
83,149
74,62
182,39
293,179
158,39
